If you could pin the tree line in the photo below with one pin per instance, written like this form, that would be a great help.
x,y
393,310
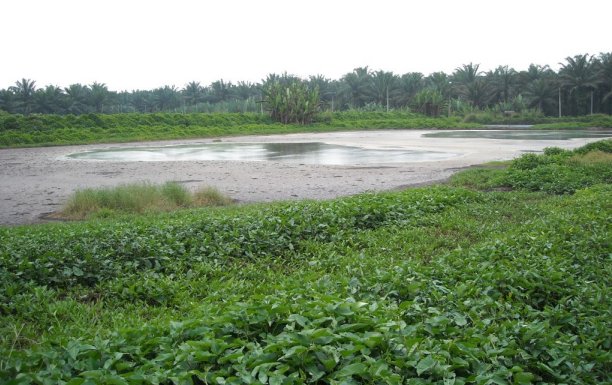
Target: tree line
x,y
582,86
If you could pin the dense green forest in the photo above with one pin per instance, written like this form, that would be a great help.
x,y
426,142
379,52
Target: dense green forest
x,y
582,86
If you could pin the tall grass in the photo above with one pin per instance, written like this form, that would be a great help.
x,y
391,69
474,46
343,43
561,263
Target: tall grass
x,y
138,198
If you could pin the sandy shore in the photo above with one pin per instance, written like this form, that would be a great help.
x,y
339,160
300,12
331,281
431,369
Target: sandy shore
x,y
37,181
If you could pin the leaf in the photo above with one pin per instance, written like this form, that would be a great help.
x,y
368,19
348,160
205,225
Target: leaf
x,y
293,351
351,370
460,320
425,365
523,378
300,320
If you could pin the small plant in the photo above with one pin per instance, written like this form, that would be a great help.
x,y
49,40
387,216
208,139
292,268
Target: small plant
x,y
210,196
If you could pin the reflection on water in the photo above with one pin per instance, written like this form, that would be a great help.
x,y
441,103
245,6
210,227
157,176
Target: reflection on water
x,y
522,134
307,153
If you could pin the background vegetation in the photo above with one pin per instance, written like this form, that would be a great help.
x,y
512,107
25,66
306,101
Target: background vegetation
x,y
583,85
37,130
40,130
441,285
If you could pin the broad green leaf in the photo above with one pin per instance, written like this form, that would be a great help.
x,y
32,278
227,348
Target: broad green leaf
x,y
357,368
425,365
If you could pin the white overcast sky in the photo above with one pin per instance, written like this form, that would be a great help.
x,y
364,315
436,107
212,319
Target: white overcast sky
x,y
144,44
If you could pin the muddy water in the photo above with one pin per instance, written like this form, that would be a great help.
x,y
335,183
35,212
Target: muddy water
x,y
304,153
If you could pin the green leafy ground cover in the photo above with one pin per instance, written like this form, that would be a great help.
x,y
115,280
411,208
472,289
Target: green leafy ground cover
x,y
43,130
440,285
48,130
540,121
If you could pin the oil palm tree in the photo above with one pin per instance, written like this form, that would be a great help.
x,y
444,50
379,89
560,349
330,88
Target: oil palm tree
x,y
49,100
439,81
466,74
166,98
326,89
604,74
468,82
221,91
534,72
24,90
192,93
356,87
541,93
77,96
578,76
383,85
7,101
99,96
410,84
502,81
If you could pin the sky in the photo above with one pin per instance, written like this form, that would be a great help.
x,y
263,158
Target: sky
x,y
145,44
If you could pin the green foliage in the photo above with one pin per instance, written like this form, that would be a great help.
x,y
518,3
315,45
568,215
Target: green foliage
x,y
37,130
129,248
556,171
439,285
291,101
589,121
429,102
469,315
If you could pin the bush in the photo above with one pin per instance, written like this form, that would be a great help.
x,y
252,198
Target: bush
x,y
557,171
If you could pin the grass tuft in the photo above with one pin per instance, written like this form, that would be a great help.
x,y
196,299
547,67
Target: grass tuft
x,y
210,196
138,198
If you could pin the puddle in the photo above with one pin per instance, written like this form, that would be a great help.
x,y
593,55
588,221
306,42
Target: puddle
x,y
522,134
306,153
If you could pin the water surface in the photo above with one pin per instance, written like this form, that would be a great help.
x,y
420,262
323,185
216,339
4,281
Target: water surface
x,y
306,153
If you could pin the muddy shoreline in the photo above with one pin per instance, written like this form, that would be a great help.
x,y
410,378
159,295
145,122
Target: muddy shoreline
x,y
37,181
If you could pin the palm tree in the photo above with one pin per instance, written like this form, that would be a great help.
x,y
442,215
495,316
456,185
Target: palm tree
x,y
439,81
166,98
24,91
192,93
466,74
383,83
142,101
356,87
98,96
410,84
604,74
429,102
7,101
77,95
578,76
534,72
246,90
50,100
327,89
470,84
477,92
221,91
541,93
502,81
